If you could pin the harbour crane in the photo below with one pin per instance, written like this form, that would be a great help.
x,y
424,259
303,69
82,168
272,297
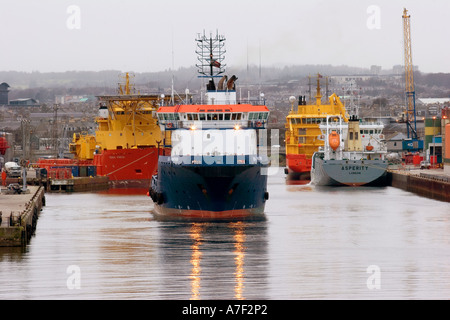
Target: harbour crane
x,y
409,78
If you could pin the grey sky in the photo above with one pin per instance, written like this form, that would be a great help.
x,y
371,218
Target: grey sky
x,y
154,35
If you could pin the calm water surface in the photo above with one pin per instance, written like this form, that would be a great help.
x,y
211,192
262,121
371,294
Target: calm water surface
x,y
315,243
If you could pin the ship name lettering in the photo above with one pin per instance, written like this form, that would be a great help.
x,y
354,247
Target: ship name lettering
x,y
355,168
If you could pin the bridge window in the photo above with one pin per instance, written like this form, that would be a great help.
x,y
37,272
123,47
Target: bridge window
x,y
236,116
212,116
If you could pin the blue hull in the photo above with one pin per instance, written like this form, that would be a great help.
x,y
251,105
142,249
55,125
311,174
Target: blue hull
x,y
210,187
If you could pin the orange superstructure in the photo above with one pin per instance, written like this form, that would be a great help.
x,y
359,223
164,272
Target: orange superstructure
x,y
237,108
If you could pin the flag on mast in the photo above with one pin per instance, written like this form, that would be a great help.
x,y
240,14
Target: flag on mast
x,y
215,63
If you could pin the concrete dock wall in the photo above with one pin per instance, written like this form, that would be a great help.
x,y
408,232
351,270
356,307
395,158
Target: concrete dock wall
x,y
430,186
19,215
79,184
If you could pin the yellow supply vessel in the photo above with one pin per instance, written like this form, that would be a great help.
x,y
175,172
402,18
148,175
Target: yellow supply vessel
x,y
126,144
303,135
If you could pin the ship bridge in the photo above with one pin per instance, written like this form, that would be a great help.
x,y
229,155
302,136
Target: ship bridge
x,y
213,116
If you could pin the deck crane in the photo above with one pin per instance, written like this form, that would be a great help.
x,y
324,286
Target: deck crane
x,y
409,79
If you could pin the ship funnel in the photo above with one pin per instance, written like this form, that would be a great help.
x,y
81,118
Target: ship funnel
x,y
220,86
230,83
103,111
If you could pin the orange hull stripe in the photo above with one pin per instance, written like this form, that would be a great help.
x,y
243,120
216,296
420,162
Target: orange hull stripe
x,y
209,215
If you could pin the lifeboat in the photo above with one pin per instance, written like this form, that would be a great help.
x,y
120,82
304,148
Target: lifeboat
x,y
333,140
369,147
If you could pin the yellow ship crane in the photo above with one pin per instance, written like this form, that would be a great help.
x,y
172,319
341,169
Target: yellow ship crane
x,y
409,78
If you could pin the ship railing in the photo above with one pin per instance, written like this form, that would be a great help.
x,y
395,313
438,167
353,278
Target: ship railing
x,y
253,102
372,123
218,124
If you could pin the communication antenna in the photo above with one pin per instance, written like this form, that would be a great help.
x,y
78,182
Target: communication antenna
x,y
55,130
210,55
172,96
352,94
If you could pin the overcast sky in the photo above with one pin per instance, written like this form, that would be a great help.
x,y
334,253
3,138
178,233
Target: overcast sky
x,y
155,35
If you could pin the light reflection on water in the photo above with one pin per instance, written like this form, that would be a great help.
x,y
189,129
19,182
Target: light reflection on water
x,y
315,243
239,237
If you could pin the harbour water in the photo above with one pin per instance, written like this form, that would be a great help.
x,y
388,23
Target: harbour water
x,y
315,243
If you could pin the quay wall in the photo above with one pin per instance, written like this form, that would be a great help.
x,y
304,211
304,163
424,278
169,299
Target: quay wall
x,y
430,186
79,184
19,215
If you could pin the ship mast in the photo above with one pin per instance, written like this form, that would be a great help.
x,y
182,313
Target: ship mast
x,y
318,95
351,91
210,54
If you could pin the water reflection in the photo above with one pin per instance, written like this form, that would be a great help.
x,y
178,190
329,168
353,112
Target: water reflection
x,y
195,232
315,243
239,238
215,260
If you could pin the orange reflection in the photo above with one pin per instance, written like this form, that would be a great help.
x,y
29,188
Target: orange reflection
x,y
239,238
195,233
297,182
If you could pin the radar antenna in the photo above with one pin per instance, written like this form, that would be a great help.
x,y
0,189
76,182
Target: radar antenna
x,y
210,55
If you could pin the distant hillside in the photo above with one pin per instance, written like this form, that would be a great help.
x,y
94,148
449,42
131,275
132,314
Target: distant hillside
x,y
183,76
45,86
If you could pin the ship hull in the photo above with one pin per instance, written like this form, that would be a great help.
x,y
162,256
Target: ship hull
x,y
298,167
211,191
348,172
128,168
